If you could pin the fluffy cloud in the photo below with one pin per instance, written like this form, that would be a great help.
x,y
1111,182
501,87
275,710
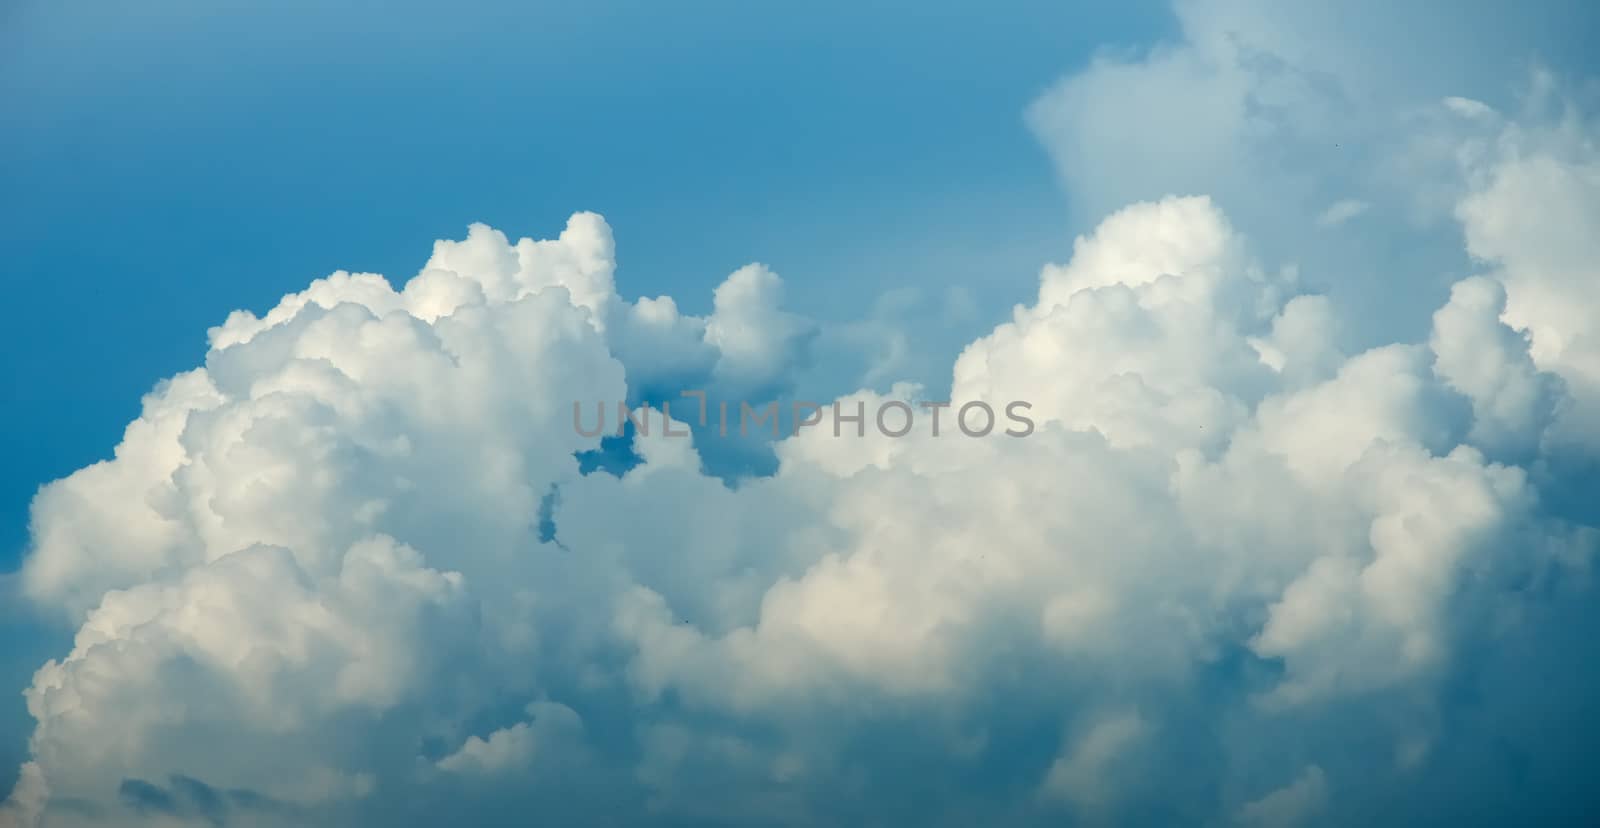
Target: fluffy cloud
x,y
354,571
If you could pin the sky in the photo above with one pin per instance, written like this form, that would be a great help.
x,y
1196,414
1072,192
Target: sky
x,y
840,144
1301,300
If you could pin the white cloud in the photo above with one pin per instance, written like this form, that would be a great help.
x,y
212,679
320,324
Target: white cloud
x,y
1342,211
515,748
1546,258
1289,806
312,586
1081,775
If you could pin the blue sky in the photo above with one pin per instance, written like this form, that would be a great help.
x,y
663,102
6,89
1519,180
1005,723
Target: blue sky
x,y
167,163
840,144
1341,484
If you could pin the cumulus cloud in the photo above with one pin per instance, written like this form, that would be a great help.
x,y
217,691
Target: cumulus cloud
x,y
1329,132
1342,211
514,748
353,569
1081,775
1288,806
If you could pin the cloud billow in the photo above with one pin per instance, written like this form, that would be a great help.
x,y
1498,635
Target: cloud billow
x,y
352,570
